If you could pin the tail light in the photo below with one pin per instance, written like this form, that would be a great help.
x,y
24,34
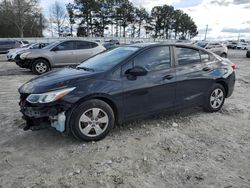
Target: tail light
x,y
233,66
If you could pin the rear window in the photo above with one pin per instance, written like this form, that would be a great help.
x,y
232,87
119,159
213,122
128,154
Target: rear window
x,y
187,56
85,45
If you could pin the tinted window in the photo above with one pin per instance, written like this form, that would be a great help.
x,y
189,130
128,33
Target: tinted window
x,y
52,45
69,45
85,45
156,58
187,56
35,46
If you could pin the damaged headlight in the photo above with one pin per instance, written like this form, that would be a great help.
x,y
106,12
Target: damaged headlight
x,y
49,96
24,55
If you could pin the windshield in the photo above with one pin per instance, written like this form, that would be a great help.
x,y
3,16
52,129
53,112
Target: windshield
x,y
201,44
108,59
51,45
27,46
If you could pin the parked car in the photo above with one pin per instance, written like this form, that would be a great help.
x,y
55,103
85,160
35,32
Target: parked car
x,y
123,84
23,43
215,47
111,44
13,53
113,41
6,45
248,53
242,46
60,53
232,45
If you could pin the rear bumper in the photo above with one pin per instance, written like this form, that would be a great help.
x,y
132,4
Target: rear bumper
x,y
230,84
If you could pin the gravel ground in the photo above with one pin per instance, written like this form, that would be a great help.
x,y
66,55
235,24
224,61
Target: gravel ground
x,y
186,149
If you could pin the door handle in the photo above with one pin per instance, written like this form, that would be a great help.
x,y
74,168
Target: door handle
x,y
206,69
168,77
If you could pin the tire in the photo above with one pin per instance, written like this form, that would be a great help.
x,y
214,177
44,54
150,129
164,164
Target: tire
x,y
215,98
40,66
92,120
224,55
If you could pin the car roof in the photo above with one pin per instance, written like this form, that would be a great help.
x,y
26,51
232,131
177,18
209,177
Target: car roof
x,y
143,45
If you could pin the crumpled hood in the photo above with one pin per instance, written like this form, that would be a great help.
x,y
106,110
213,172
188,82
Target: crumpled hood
x,y
56,80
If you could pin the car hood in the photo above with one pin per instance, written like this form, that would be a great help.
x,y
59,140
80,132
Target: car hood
x,y
15,50
58,79
37,52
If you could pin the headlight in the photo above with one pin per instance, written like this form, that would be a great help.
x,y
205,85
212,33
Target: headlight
x,y
49,96
24,55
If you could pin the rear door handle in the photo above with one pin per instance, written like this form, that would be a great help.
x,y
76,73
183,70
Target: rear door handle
x,y
168,77
206,69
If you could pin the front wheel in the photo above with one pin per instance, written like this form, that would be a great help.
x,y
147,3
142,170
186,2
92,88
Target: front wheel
x,y
215,98
92,120
40,66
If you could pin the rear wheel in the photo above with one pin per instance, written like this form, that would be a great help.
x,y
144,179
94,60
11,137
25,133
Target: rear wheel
x,y
223,55
215,98
40,66
92,120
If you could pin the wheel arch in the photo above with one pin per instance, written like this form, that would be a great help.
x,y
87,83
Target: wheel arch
x,y
103,97
223,53
43,59
224,84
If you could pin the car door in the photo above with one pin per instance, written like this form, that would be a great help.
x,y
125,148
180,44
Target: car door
x,y
154,91
191,79
84,50
64,53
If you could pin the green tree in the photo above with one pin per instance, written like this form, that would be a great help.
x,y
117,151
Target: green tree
x,y
70,10
141,18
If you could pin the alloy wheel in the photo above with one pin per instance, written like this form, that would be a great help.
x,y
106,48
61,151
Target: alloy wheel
x,y
93,122
216,98
41,67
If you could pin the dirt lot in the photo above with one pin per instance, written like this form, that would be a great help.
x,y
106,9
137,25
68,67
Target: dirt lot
x,y
187,149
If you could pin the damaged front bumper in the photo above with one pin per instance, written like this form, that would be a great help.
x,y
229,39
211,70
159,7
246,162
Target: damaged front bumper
x,y
42,116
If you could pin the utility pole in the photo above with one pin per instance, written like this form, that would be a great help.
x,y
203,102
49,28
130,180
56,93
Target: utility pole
x,y
206,33
239,37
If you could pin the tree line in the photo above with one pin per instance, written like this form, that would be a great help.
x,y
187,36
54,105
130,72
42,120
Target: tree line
x,y
94,18
122,18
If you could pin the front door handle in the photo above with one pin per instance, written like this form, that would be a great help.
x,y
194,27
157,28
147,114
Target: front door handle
x,y
168,77
206,69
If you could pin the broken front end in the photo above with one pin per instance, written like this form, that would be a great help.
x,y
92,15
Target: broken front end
x,y
44,110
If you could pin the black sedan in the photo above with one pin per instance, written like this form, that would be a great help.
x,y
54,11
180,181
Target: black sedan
x,y
123,84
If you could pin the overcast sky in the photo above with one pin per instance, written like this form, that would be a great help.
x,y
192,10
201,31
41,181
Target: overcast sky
x,y
226,19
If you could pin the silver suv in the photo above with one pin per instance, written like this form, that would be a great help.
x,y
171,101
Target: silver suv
x,y
60,53
215,47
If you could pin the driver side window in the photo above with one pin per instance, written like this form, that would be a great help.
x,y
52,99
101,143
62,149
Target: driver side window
x,y
69,45
156,58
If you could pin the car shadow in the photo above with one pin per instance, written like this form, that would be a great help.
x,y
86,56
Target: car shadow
x,y
49,138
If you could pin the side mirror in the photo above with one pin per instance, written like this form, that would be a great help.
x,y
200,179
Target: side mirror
x,y
136,71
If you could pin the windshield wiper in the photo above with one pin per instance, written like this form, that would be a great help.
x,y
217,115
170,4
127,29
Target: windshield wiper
x,y
85,68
